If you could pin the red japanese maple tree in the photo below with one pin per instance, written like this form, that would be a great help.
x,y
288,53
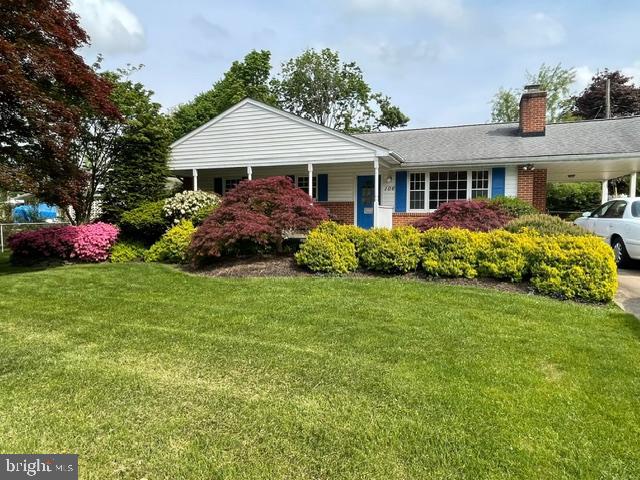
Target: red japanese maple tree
x,y
474,215
44,84
253,217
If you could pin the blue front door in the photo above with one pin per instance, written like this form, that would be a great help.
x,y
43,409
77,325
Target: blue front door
x,y
364,200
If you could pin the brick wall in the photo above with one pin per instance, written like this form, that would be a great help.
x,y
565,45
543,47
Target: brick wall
x,y
532,187
401,219
342,212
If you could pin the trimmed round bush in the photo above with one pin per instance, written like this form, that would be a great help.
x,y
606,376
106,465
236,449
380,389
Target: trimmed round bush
x,y
450,252
574,268
327,252
514,206
503,255
544,225
146,223
173,245
124,251
474,215
189,204
80,243
392,251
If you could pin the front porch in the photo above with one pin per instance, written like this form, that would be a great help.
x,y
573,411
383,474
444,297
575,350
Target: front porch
x,y
359,193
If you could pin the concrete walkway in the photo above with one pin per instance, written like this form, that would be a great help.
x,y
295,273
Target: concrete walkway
x,y
628,296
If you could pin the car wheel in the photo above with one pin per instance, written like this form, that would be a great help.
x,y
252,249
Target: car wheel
x,y
620,252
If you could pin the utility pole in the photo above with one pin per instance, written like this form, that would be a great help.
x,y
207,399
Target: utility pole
x,y
607,100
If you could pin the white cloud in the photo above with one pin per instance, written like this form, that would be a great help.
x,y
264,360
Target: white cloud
x,y
208,28
633,71
449,11
583,77
409,53
113,28
537,30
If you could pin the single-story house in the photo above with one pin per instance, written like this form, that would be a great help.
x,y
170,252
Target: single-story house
x,y
391,178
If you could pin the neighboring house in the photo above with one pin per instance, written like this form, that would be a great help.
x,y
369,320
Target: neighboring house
x,y
391,178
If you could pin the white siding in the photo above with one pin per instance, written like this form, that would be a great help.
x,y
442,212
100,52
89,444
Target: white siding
x,y
254,135
511,182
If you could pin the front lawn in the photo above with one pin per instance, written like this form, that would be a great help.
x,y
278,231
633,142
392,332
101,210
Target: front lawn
x,y
148,372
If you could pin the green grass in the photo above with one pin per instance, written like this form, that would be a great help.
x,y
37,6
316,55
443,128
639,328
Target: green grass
x,y
147,372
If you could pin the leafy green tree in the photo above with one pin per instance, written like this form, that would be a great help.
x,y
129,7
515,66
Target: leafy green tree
x,y
625,97
317,86
249,78
138,172
556,81
137,142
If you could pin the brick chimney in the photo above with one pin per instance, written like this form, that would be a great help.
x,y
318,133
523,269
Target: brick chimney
x,y
533,111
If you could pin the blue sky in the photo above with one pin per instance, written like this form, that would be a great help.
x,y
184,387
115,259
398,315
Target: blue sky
x,y
439,60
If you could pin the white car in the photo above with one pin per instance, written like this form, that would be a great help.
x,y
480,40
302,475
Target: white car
x,y
618,222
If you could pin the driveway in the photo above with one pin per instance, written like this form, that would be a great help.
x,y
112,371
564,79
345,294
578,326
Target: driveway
x,y
628,296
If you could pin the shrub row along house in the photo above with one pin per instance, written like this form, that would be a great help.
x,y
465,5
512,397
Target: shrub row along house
x,y
387,179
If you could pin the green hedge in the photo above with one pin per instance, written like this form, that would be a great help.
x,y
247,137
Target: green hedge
x,y
145,224
572,267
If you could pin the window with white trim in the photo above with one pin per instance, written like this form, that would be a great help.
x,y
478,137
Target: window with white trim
x,y
446,186
303,183
230,183
417,191
480,184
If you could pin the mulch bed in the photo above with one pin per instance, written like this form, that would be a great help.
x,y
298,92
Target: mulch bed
x,y
285,266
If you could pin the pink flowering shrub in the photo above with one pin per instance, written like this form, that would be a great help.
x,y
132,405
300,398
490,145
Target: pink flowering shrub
x,y
83,243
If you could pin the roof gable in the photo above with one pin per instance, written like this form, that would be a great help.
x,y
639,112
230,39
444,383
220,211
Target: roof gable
x,y
253,133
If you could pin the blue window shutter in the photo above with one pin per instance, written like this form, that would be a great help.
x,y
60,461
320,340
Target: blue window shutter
x,y
401,191
323,187
497,182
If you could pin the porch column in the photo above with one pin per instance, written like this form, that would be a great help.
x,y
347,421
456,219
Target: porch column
x,y
633,184
249,173
310,171
195,179
376,190
605,191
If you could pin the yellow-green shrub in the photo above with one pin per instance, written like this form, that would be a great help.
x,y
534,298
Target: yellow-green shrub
x,y
172,246
355,235
450,252
503,255
327,250
393,251
124,251
574,267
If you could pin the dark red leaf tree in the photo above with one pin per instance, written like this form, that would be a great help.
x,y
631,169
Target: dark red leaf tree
x,y
253,217
44,85
474,215
625,97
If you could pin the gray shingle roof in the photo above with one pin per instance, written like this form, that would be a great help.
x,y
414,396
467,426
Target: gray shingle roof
x,y
501,141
